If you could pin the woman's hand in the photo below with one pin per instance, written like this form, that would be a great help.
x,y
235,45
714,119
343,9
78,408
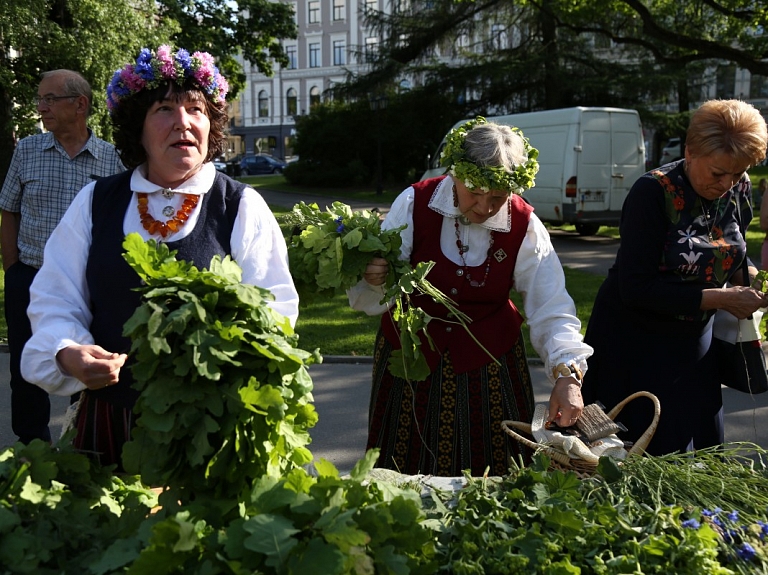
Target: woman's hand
x,y
565,403
92,364
376,271
741,301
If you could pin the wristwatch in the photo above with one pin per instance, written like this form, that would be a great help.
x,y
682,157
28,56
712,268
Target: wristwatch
x,y
567,370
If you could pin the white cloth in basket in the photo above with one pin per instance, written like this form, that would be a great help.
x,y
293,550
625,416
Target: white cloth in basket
x,y
572,446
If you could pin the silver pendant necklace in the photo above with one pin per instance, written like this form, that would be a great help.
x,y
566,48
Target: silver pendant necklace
x,y
710,225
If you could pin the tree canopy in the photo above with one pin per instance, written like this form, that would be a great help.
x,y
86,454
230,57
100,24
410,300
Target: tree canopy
x,y
96,37
521,55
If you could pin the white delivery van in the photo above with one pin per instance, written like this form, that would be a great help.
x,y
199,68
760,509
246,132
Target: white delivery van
x,y
588,160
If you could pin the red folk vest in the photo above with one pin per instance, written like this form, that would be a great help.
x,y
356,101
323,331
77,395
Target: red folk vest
x,y
495,319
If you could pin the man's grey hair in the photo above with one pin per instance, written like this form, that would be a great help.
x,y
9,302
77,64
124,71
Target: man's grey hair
x,y
74,85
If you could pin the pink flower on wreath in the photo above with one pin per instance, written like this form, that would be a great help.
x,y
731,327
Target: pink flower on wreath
x,y
166,62
133,81
206,60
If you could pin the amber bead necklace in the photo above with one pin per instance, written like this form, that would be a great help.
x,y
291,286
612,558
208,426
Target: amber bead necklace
x,y
154,226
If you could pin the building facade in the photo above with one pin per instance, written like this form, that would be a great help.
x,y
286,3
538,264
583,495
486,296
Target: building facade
x,y
330,41
333,41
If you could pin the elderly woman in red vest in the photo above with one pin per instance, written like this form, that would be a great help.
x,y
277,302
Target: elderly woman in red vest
x,y
485,240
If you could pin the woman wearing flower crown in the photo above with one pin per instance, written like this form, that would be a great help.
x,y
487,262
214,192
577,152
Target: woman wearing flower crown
x,y
485,240
169,114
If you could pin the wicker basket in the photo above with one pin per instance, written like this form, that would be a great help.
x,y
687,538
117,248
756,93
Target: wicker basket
x,y
582,468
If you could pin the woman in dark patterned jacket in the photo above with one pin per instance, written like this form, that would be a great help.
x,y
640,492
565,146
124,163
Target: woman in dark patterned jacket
x,y
683,230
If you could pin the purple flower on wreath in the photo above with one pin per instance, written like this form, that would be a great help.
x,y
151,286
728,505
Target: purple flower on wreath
x,y
691,524
340,227
733,516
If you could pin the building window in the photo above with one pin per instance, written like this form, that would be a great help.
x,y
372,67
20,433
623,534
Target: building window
x,y
758,86
339,52
339,9
314,96
498,37
313,11
263,104
726,82
371,4
314,55
290,102
293,60
371,47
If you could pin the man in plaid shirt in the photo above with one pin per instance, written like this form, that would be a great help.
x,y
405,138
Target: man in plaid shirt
x,y
46,172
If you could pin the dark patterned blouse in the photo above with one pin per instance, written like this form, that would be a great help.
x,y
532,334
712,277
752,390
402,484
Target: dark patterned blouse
x,y
674,244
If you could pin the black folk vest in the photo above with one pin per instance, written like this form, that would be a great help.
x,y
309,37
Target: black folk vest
x,y
110,280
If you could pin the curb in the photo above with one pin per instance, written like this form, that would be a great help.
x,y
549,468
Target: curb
x,y
369,359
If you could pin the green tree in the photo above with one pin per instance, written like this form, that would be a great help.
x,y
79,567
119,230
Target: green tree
x,y
249,28
93,37
338,143
96,37
521,55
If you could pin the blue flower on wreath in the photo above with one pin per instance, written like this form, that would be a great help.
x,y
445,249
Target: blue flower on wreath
x,y
340,227
691,524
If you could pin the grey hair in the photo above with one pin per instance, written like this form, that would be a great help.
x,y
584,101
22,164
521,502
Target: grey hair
x,y
74,85
495,145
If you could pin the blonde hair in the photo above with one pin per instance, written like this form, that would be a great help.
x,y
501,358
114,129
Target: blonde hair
x,y
731,127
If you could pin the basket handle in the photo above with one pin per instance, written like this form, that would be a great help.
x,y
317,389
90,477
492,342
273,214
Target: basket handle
x,y
508,426
645,438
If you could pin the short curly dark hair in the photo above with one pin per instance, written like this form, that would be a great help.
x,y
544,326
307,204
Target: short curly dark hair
x,y
128,121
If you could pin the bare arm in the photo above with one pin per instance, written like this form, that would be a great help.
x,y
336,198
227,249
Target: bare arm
x,y
9,238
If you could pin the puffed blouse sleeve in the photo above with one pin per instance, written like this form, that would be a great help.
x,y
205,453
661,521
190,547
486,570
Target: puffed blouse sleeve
x,y
259,247
365,297
549,310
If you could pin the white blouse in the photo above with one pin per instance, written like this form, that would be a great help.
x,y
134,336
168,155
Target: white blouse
x,y
538,276
59,308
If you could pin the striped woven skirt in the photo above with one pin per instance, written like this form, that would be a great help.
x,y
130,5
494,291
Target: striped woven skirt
x,y
450,422
102,429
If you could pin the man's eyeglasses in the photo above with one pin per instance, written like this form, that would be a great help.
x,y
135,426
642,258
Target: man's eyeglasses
x,y
50,100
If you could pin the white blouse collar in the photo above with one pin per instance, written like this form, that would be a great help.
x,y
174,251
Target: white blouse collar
x,y
442,202
198,184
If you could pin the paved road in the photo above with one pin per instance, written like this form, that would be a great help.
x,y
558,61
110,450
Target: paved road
x,y
342,388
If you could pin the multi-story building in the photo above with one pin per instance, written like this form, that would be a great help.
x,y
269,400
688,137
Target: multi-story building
x,y
333,42
331,39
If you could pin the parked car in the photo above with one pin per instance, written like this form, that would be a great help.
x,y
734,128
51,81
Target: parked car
x,y
671,151
220,166
261,164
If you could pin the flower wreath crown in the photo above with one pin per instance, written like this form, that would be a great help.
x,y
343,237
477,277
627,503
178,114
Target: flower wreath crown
x,y
152,69
487,178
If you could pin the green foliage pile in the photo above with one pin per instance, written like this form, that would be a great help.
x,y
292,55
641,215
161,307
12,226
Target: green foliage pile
x,y
328,252
225,394
539,521
60,513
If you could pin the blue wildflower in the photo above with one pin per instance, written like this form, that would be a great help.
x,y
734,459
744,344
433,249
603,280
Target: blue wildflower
x,y
183,58
708,513
733,516
746,552
340,227
691,524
